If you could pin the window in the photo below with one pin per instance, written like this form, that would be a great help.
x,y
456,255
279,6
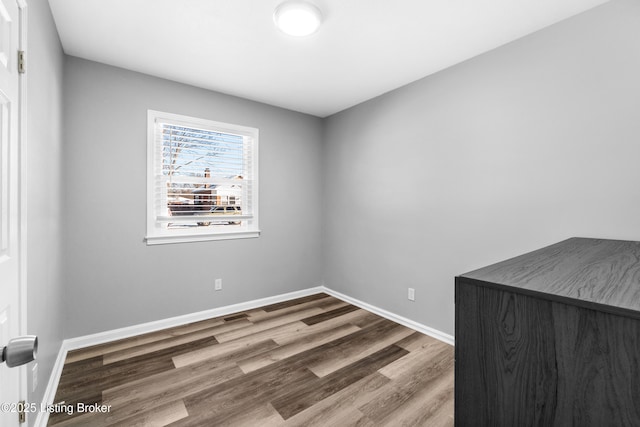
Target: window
x,y
202,180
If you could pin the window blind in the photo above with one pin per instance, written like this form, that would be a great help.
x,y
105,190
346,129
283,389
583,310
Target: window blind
x,y
202,177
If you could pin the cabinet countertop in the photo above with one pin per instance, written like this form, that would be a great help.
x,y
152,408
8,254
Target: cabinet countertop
x,y
593,273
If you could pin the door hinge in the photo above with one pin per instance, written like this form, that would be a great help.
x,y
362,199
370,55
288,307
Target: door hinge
x,y
22,66
22,415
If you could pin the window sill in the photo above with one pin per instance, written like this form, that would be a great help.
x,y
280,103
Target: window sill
x,y
188,238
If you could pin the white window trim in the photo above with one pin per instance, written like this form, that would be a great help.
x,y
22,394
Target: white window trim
x,y
158,236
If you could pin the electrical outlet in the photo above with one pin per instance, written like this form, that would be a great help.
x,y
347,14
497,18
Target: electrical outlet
x,y
412,294
34,377
218,285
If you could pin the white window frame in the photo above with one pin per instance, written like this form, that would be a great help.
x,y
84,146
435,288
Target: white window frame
x,y
157,232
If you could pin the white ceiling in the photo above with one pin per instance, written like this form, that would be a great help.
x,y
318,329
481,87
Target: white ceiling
x,y
363,49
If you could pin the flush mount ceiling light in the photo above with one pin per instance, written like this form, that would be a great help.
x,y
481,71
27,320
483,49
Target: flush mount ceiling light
x,y
297,18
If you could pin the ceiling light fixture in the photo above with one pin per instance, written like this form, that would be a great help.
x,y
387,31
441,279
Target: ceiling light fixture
x,y
297,18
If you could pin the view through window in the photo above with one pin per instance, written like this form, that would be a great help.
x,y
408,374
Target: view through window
x,y
203,178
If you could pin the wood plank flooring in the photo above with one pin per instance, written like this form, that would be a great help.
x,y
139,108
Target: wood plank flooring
x,y
313,361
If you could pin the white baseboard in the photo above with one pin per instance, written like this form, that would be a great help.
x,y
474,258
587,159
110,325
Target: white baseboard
x,y
446,338
117,334
52,386
130,331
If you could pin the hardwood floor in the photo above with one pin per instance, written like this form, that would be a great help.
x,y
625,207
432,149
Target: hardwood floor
x,y
313,361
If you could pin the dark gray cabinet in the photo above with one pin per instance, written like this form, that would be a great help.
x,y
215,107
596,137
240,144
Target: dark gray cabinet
x,y
551,338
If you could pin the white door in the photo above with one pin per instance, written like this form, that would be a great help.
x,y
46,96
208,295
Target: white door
x,y
9,204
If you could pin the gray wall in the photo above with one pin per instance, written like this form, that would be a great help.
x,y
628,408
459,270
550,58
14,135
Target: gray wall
x,y
45,291
515,149
113,278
